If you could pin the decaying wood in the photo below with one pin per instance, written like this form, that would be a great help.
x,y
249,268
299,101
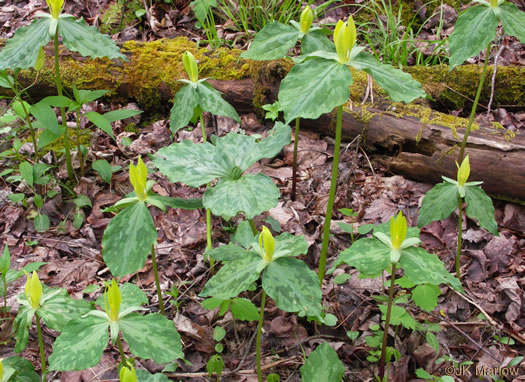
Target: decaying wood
x,y
390,135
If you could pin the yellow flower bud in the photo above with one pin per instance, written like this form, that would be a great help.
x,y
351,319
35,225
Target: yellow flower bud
x,y
112,299
398,230
1,370
55,6
33,290
463,171
344,39
128,374
138,176
190,65
493,3
307,17
267,244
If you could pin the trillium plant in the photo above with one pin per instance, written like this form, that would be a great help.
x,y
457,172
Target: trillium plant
x,y
372,256
83,340
131,235
445,197
17,369
26,46
321,82
274,41
287,280
474,31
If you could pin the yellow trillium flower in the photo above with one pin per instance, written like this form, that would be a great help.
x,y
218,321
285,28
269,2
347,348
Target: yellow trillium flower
x,y
190,65
463,171
128,374
33,290
307,17
138,176
267,244
55,6
112,299
344,39
398,230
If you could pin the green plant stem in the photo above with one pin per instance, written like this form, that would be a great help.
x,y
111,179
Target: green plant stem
x,y
474,106
294,162
157,281
331,196
5,293
121,351
387,323
253,227
258,340
41,346
209,242
460,236
79,151
31,129
58,82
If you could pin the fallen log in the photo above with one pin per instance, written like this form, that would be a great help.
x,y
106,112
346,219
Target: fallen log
x,y
420,143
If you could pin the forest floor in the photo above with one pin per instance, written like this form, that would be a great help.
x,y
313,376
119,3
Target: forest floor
x,y
486,326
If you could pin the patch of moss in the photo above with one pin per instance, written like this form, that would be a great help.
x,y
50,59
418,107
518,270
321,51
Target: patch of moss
x,y
110,18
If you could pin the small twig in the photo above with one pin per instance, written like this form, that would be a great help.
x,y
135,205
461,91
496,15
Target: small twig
x,y
494,78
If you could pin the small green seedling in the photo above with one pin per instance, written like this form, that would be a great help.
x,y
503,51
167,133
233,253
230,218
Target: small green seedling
x,y
8,275
445,197
323,364
54,306
131,235
371,256
287,280
150,336
215,365
349,228
105,169
26,47
474,31
241,308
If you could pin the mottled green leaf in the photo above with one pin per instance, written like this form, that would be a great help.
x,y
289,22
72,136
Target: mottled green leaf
x,y
480,207
104,169
293,286
275,140
287,245
87,40
60,308
513,20
227,252
399,85
183,203
234,277
475,28
244,309
316,40
21,325
21,51
184,105
438,203
243,235
128,240
369,256
144,376
151,336
323,364
425,296
80,345
211,100
23,370
422,267
272,42
313,88
251,194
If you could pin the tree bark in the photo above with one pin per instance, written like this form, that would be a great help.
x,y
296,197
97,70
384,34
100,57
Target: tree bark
x,y
413,140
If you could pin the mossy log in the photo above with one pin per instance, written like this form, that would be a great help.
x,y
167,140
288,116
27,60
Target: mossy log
x,y
411,139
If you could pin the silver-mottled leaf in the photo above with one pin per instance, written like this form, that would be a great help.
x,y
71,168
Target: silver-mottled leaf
x,y
234,277
399,85
227,252
128,240
21,51
293,286
369,256
480,207
58,310
151,336
87,40
211,100
316,40
475,28
251,194
438,203
272,42
80,345
184,105
313,88
323,364
23,370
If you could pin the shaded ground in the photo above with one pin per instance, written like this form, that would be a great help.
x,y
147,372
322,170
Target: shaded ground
x,y
493,267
